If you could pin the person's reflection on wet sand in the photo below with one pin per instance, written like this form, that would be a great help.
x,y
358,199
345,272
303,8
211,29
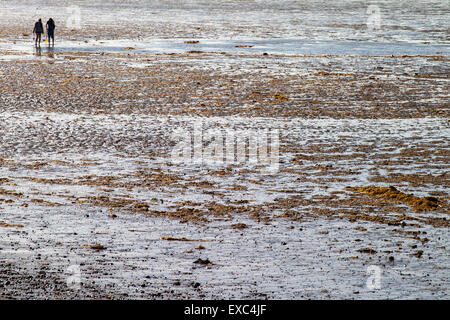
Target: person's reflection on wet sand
x,y
37,51
51,52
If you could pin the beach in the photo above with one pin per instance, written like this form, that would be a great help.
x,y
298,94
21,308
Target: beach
x,y
109,188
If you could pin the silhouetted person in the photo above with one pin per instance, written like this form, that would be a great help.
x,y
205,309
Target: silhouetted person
x,y
51,31
38,30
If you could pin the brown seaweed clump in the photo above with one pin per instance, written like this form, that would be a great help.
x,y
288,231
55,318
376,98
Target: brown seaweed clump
x,y
94,246
8,225
391,193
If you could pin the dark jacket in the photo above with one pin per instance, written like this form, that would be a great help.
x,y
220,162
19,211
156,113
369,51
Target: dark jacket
x,y
38,27
50,25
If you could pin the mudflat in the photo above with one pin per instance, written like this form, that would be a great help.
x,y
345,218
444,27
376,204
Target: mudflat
x,y
94,204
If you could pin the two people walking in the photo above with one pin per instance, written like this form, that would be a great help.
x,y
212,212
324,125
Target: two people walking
x,y
39,30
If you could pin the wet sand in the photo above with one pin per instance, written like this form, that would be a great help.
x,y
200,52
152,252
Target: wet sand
x,y
87,178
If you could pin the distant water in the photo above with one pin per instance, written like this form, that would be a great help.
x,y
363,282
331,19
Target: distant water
x,y
423,21
272,46
352,27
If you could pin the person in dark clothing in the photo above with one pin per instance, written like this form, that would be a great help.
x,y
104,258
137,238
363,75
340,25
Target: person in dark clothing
x,y
51,31
38,30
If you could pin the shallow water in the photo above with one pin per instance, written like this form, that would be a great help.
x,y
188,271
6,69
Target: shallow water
x,y
288,27
400,21
276,46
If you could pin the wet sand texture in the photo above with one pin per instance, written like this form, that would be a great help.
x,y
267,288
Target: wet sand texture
x,y
88,187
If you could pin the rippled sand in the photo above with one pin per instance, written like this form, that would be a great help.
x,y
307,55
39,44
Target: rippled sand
x,y
87,131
